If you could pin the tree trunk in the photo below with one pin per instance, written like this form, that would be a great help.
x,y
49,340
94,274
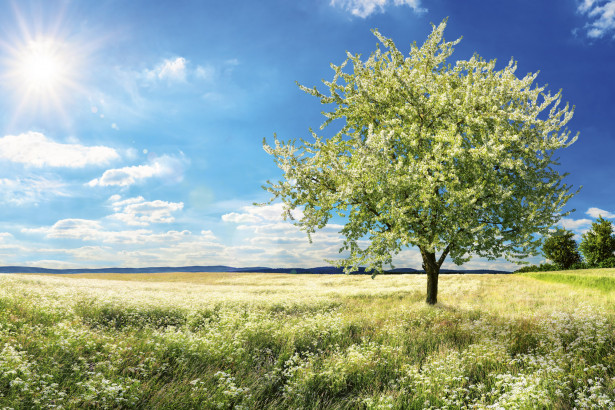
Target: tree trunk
x,y
432,269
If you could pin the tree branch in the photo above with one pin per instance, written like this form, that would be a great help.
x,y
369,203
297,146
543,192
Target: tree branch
x,y
444,255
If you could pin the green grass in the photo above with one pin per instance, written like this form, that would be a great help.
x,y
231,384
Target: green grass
x,y
600,279
259,341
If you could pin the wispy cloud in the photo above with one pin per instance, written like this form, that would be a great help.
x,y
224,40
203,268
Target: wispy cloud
x,y
36,150
365,8
180,70
165,167
601,14
91,230
30,190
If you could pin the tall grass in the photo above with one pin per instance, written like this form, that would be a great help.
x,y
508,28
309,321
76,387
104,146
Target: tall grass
x,y
223,341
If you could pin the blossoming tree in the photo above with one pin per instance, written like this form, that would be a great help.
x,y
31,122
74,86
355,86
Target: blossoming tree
x,y
454,160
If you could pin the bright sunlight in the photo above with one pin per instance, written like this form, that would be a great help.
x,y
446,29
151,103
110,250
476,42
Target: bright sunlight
x,y
42,68
42,72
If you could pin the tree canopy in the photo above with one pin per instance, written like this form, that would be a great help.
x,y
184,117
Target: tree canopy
x,y
561,248
455,160
598,244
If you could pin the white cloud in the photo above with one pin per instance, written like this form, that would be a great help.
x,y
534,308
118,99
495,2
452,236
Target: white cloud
x,y
576,224
34,149
260,238
89,230
90,253
179,70
172,70
30,190
254,214
83,229
601,14
138,212
118,204
240,218
138,248
166,167
263,238
597,212
365,8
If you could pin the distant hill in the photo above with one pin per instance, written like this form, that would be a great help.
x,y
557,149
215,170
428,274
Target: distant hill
x,y
328,270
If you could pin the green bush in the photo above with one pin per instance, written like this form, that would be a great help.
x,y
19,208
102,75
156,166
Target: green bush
x,y
579,265
543,267
607,263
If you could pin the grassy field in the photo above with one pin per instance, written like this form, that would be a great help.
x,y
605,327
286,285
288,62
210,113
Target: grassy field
x,y
258,341
600,279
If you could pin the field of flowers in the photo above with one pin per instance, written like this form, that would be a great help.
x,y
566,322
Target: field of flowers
x,y
258,341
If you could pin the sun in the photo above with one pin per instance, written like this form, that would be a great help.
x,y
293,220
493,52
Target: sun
x,y
41,68
42,74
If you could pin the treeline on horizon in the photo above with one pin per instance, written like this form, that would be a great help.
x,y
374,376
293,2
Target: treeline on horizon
x,y
596,249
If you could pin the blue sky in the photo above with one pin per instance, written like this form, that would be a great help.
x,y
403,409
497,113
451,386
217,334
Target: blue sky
x,y
131,132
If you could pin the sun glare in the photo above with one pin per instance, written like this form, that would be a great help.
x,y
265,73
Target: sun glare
x,y
42,67
42,73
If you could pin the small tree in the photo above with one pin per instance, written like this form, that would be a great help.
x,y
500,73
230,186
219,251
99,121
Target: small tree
x,y
452,160
598,244
560,248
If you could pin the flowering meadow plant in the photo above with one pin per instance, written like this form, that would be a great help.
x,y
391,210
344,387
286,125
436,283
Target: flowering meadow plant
x,y
259,341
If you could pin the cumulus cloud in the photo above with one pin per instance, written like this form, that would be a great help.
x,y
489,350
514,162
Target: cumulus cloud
x,y
576,224
171,70
597,212
36,150
365,8
165,167
139,212
84,229
601,14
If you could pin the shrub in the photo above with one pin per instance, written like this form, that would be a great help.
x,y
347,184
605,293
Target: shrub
x,y
579,265
543,267
607,263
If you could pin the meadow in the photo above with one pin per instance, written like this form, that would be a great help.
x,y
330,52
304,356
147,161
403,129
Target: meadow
x,y
268,341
